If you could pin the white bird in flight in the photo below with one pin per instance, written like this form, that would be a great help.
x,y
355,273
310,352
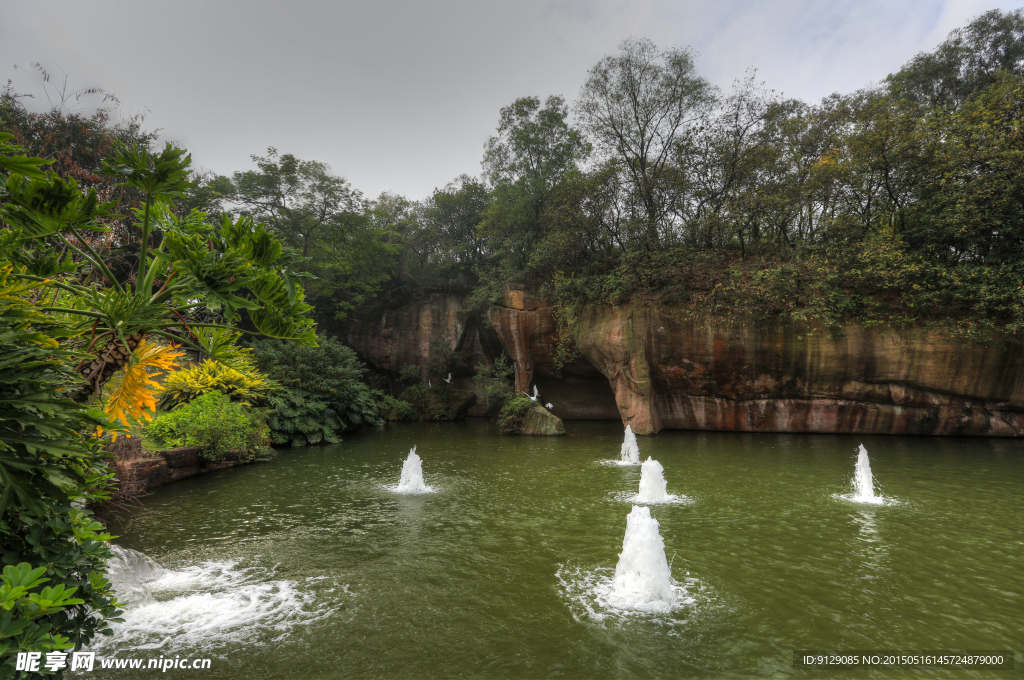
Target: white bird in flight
x,y
448,379
534,397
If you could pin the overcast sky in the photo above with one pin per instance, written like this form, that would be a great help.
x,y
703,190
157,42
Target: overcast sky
x,y
400,95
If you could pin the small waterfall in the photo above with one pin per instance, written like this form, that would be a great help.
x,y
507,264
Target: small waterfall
x,y
642,577
653,487
411,481
630,453
863,482
130,572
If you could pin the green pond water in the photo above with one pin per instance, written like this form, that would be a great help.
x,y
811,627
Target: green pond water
x,y
309,567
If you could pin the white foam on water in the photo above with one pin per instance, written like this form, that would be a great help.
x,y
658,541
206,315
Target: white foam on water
x,y
411,482
206,606
590,594
641,582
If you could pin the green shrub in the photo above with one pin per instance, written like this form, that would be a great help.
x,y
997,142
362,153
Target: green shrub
x,y
437,403
510,419
214,422
494,384
244,384
392,408
321,391
409,375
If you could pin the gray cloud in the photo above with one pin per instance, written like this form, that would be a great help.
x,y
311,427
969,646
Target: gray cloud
x,y
401,95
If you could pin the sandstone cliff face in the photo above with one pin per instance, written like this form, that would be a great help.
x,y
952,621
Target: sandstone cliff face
x,y
671,370
657,367
527,330
402,338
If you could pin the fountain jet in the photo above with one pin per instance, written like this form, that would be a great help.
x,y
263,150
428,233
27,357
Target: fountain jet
x,y
863,482
630,453
653,487
642,577
411,481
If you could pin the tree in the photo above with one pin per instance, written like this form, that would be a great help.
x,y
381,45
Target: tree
x,y
298,199
636,105
525,162
234,268
965,62
326,220
452,215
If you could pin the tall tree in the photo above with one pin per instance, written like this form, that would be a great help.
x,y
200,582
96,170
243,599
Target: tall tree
x,y
298,199
321,215
453,215
533,151
636,105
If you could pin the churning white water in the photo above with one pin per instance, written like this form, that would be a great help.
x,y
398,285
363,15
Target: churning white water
x,y
411,481
642,577
205,606
653,487
630,452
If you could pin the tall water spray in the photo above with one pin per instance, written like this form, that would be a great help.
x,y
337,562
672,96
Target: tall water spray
x,y
863,482
630,453
642,577
653,487
411,481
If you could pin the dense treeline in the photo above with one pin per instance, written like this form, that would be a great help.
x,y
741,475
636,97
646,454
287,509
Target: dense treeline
x,y
900,202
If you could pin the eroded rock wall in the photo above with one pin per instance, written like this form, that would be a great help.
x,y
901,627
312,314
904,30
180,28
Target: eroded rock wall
x,y
657,367
670,369
527,328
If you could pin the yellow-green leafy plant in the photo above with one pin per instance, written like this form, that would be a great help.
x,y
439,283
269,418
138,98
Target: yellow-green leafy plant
x,y
243,384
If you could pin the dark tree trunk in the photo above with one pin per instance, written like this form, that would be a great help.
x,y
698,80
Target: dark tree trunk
x,y
109,359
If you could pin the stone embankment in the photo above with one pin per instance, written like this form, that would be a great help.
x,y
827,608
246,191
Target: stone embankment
x,y
150,470
660,366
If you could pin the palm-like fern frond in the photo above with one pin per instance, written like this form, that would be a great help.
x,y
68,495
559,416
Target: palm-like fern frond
x,y
134,398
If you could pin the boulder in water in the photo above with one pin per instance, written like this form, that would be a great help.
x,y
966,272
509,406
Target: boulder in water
x,y
539,420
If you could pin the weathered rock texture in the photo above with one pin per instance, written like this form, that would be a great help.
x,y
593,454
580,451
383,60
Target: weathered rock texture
x,y
172,465
672,370
658,366
538,420
527,330
402,337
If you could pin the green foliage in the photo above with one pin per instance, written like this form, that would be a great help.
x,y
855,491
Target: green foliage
x,y
510,418
53,593
494,384
437,404
441,358
321,216
409,374
966,62
394,409
45,448
244,384
65,600
321,392
213,422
